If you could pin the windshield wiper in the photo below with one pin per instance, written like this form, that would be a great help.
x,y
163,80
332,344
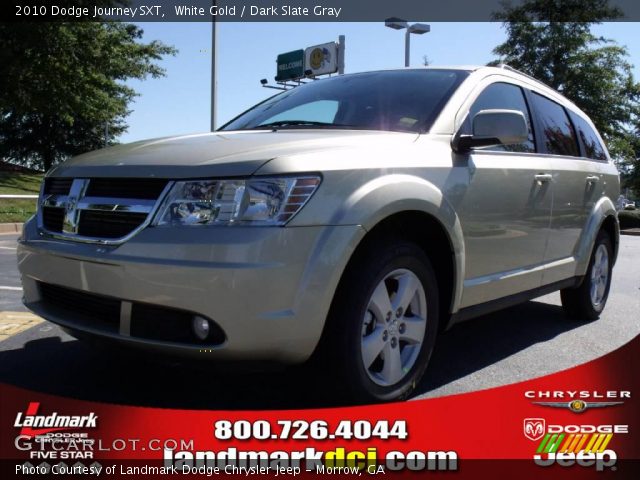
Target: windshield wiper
x,y
297,123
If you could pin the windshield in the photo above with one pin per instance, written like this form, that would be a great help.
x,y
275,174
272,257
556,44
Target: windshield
x,y
396,100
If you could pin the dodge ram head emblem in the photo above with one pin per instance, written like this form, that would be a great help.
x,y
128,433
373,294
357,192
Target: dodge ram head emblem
x,y
534,428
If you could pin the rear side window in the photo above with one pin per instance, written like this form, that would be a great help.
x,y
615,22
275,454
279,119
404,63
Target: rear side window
x,y
502,96
557,132
590,141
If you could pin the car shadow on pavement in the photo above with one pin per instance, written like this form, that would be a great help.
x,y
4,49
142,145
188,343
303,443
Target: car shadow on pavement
x,y
75,369
478,343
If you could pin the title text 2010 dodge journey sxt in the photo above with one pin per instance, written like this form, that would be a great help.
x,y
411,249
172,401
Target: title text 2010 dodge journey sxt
x,y
353,217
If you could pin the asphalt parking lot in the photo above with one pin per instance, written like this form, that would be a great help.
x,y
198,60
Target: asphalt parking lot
x,y
497,349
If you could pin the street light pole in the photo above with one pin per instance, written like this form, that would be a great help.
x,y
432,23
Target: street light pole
x,y
417,28
214,64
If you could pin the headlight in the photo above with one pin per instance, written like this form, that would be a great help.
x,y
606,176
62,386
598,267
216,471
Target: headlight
x,y
259,201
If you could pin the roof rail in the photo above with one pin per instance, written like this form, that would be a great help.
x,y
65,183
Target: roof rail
x,y
504,66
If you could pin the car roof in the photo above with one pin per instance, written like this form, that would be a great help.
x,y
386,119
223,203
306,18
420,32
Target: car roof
x,y
501,69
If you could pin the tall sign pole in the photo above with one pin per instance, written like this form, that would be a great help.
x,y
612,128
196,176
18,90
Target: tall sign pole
x,y
407,48
341,51
214,65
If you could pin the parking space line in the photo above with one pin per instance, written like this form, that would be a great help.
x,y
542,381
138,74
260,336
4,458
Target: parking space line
x,y
12,323
8,248
13,289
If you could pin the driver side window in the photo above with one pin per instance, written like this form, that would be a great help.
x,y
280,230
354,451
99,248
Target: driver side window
x,y
502,96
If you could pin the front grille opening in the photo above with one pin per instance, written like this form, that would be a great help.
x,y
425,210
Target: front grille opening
x,y
107,224
140,188
53,218
148,322
57,186
169,325
95,311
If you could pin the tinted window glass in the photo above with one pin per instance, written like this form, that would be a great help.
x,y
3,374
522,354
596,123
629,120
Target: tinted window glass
x,y
401,100
557,132
592,146
321,111
502,96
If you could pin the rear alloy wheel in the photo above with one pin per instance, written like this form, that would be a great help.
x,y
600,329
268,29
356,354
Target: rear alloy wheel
x,y
587,301
384,322
599,276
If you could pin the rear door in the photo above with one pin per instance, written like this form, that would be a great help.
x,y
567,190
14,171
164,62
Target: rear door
x,y
505,209
576,180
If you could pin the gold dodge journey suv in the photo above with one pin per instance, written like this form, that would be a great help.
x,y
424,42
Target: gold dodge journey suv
x,y
352,218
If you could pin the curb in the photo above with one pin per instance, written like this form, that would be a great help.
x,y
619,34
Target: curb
x,y
11,227
632,231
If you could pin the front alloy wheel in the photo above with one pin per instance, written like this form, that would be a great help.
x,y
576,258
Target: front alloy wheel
x,y
393,327
383,322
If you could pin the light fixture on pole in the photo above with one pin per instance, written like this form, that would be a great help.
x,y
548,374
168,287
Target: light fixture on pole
x,y
417,28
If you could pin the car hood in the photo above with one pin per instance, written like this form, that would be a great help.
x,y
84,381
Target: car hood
x,y
222,154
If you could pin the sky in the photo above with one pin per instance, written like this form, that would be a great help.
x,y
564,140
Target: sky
x,y
180,102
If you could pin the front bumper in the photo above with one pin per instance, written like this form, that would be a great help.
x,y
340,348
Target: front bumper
x,y
268,289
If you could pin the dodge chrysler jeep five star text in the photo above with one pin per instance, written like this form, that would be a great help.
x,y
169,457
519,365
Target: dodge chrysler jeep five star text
x,y
352,218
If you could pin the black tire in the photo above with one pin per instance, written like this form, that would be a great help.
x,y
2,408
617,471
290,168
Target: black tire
x,y
577,302
343,337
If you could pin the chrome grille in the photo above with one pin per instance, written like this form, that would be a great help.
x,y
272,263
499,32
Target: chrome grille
x,y
98,210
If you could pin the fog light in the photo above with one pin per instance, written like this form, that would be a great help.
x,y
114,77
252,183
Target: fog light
x,y
201,327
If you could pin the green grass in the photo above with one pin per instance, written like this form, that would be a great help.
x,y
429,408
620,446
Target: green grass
x,y
12,183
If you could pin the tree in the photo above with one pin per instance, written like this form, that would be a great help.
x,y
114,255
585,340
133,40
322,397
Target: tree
x,y
630,173
61,83
551,40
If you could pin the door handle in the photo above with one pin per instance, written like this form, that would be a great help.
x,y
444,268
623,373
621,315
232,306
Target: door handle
x,y
543,177
593,179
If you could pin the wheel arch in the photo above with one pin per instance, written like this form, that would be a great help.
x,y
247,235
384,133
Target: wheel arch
x,y
435,241
603,217
611,226
407,201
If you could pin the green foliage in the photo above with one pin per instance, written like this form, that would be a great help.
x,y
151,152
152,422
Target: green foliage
x,y
60,83
629,219
551,40
630,171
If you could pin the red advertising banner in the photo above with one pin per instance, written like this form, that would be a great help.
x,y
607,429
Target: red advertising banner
x,y
580,423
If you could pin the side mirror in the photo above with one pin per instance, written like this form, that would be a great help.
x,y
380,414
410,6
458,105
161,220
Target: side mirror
x,y
493,127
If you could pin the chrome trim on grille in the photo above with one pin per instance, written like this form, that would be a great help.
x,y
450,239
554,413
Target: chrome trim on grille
x,y
75,202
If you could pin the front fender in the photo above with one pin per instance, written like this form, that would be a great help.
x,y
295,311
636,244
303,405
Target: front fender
x,y
390,194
